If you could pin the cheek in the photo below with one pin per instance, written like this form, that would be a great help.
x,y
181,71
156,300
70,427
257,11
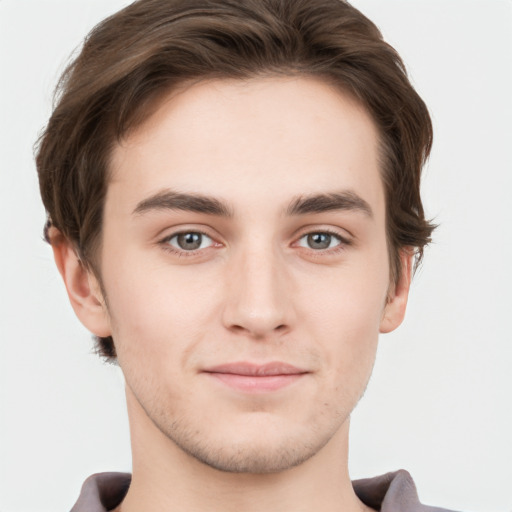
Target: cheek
x,y
344,317
348,299
157,314
350,335
349,346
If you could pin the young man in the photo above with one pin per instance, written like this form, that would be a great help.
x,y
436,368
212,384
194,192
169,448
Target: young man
x,y
233,202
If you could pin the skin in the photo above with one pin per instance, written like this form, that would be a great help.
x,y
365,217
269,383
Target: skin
x,y
258,289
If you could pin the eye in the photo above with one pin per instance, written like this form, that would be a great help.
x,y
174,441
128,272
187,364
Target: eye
x,y
189,241
320,241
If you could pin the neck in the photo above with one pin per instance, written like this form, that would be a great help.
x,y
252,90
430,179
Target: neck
x,y
166,478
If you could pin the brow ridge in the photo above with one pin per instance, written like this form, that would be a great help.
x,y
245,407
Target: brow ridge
x,y
319,203
172,200
301,205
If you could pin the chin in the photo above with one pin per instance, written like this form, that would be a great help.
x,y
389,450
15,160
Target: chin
x,y
250,457
261,448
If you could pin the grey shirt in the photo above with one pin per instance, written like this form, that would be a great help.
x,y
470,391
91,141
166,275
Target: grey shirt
x,y
392,492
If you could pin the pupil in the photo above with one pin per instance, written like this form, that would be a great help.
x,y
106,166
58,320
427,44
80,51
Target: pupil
x,y
319,240
189,241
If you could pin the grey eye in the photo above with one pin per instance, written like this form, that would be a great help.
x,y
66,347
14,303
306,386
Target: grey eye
x,y
190,241
319,241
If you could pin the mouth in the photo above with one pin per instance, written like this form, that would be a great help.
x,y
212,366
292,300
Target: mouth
x,y
254,378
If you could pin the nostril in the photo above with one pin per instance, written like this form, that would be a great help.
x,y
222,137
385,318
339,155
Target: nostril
x,y
240,329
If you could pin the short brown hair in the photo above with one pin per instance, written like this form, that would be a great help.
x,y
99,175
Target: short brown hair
x,y
151,46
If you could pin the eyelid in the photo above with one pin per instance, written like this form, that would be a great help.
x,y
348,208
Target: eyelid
x,y
164,241
331,235
343,234
176,235
344,241
171,230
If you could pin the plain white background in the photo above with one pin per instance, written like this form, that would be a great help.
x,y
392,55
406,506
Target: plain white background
x,y
439,403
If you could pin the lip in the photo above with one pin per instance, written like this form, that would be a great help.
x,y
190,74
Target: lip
x,y
250,377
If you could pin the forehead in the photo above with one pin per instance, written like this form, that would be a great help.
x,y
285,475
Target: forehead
x,y
285,135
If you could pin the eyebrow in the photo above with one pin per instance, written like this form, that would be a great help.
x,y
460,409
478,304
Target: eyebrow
x,y
319,203
301,205
171,200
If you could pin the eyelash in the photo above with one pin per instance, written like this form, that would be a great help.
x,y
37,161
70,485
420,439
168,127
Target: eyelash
x,y
343,243
182,253
342,246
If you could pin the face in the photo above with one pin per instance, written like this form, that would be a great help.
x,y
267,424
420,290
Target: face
x,y
245,268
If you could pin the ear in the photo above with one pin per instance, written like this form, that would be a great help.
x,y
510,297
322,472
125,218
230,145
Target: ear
x,y
83,288
394,311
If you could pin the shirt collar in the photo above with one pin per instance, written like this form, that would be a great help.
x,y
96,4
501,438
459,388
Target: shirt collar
x,y
392,492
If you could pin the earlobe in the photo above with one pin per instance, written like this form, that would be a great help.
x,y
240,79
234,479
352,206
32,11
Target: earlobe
x,y
394,311
83,288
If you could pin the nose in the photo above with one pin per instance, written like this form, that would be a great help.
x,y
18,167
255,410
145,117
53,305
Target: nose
x,y
258,300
